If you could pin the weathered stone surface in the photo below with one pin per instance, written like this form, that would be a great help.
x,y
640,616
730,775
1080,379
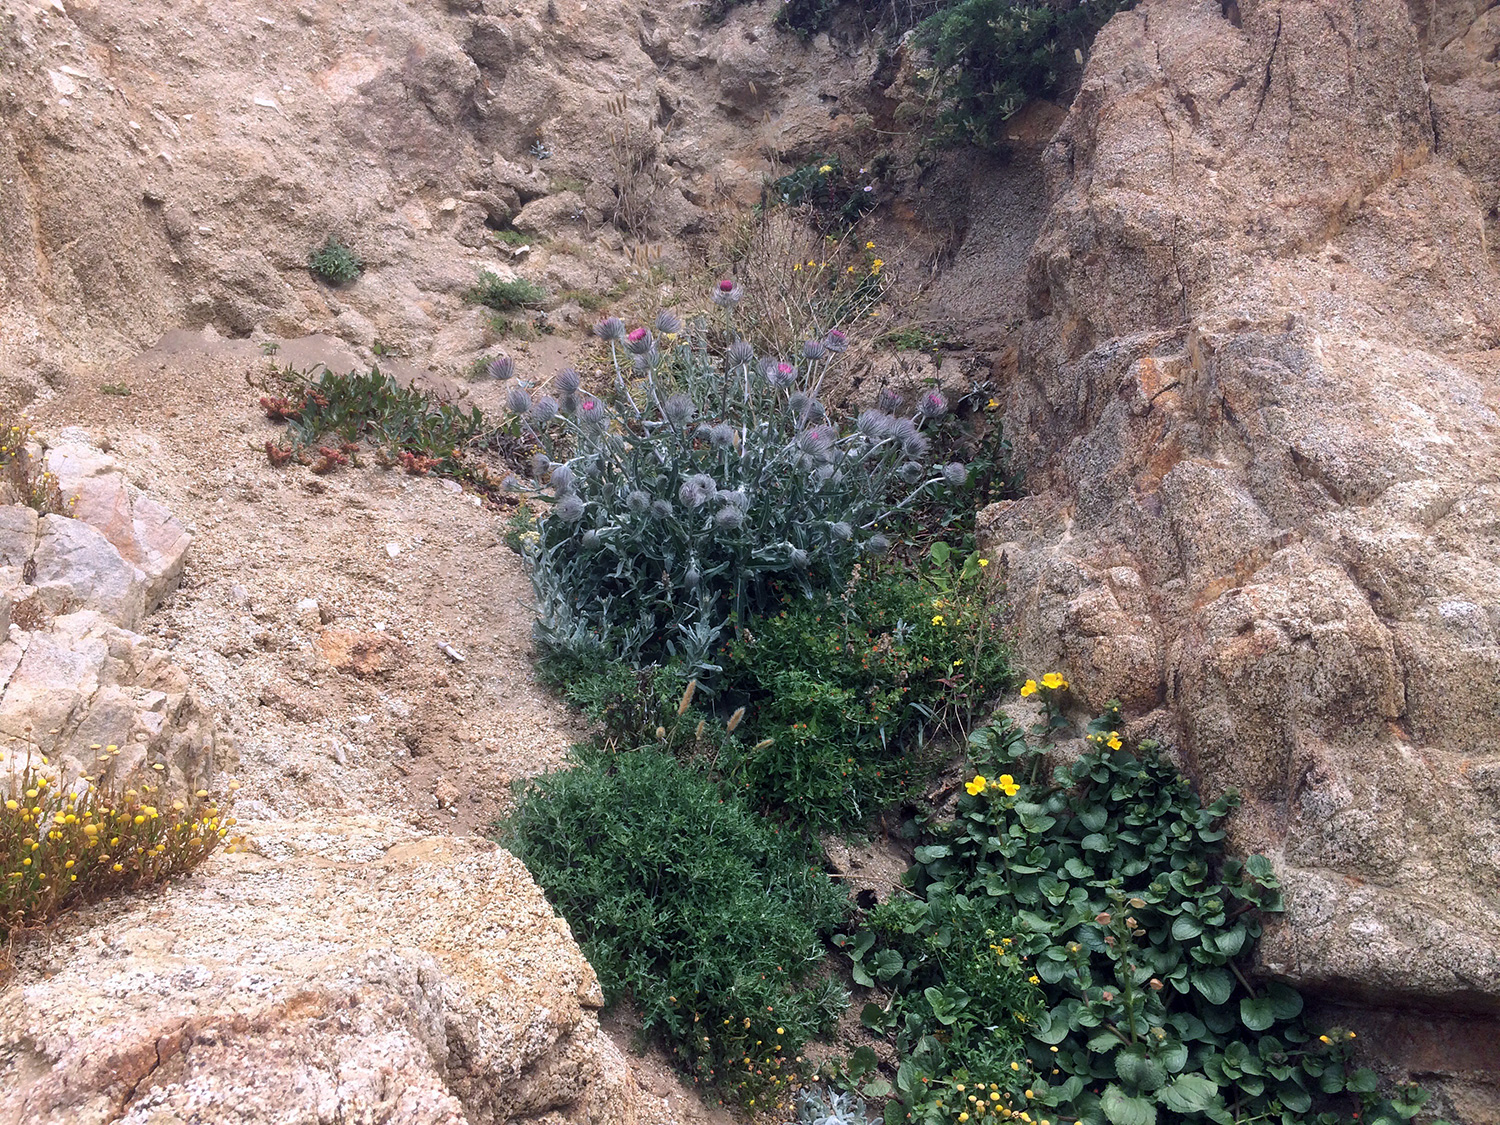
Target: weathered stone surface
x,y
361,654
143,531
75,567
345,970
1257,408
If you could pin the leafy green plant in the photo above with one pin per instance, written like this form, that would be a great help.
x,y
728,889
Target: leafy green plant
x,y
845,691
1109,880
335,263
119,390
991,57
496,293
676,512
699,912
824,184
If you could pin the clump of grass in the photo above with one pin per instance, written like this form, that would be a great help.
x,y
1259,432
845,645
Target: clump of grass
x,y
335,263
511,237
496,293
59,846
119,390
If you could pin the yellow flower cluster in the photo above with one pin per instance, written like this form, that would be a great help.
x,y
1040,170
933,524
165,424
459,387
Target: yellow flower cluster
x,y
1005,784
1110,739
1051,681
981,1105
59,845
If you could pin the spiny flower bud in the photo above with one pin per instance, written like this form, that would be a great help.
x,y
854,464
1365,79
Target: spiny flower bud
x,y
562,479
911,472
591,414
678,409
518,400
932,405
738,497
691,577
591,539
610,328
878,546
569,509
721,436
956,473
813,350
728,518
638,502
661,509
739,354
727,294
841,530
668,324
568,381
874,424
915,446
888,400
544,409
539,465
836,341
502,368
800,558
639,341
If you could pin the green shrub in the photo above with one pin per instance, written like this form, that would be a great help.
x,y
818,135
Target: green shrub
x,y
496,293
824,184
676,513
843,692
335,263
991,57
699,912
1112,884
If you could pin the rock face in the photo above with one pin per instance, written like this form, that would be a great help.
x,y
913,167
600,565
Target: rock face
x,y
1258,405
164,166
349,970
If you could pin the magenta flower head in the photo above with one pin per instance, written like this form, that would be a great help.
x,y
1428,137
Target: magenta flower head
x,y
836,341
639,341
933,405
780,374
591,414
727,294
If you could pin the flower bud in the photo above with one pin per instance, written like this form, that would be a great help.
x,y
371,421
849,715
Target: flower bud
x,y
668,324
502,368
739,354
956,473
836,341
932,405
568,381
639,341
569,509
518,400
544,409
611,328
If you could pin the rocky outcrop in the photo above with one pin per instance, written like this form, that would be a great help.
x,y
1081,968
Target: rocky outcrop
x,y
1258,406
164,166
344,970
81,692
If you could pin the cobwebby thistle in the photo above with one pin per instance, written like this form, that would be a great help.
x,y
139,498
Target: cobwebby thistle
x,y
569,509
836,341
739,354
956,473
568,381
517,400
502,368
678,410
544,409
668,324
611,328
638,502
639,341
727,294
932,405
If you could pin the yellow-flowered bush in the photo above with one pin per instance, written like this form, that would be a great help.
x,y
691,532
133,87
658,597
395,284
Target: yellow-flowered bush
x,y
62,844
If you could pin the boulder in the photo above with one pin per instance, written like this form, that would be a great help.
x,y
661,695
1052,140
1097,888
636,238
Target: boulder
x,y
1256,407
75,566
146,535
341,970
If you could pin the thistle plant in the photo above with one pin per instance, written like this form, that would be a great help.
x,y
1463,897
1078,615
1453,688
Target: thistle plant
x,y
705,485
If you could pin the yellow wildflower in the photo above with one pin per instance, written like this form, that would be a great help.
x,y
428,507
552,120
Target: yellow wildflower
x,y
984,562
1028,688
1007,785
976,786
1114,742
1034,979
1054,682
937,619
869,246
823,171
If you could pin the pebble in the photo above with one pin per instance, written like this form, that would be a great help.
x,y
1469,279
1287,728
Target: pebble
x,y
393,549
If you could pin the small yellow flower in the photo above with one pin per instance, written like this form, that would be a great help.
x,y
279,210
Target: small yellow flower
x,y
937,619
984,562
1028,688
1114,742
1324,1039
993,404
1034,979
976,786
1054,682
1007,785
1015,1066
823,171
